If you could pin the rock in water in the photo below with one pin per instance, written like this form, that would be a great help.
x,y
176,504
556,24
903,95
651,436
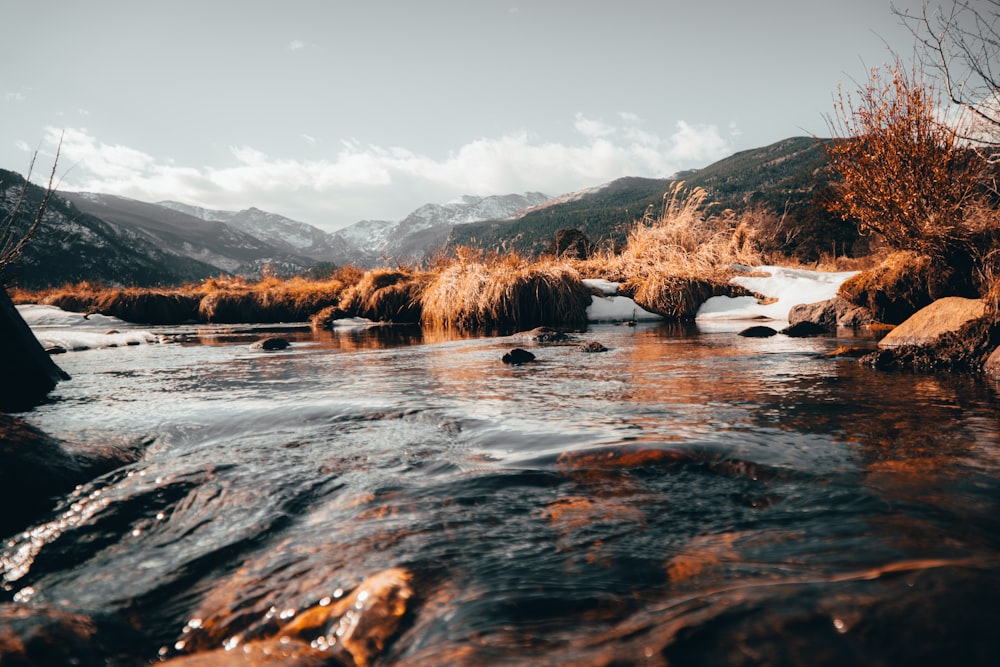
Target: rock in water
x,y
271,343
805,329
928,324
29,374
518,356
593,346
758,332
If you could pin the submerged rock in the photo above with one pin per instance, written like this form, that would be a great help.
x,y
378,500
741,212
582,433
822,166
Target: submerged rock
x,y
37,468
543,335
805,330
593,346
353,630
271,343
929,324
28,372
517,356
758,331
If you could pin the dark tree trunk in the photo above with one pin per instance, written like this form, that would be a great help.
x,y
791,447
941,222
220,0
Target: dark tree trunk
x,y
28,373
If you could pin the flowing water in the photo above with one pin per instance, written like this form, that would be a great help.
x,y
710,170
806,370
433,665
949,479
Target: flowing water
x,y
686,497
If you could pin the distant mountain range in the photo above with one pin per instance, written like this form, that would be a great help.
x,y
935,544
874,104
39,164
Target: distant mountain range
x,y
787,177
99,237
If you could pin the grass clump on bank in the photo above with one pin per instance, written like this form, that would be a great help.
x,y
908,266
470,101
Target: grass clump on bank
x,y
674,260
476,292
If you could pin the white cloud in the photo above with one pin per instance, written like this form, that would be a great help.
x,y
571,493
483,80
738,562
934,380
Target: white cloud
x,y
295,45
365,181
14,97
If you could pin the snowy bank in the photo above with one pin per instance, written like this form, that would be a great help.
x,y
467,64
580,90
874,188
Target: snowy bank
x,y
614,308
786,287
57,328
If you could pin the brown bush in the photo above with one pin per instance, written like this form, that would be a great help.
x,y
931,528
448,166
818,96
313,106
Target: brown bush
x,y
902,284
385,295
505,292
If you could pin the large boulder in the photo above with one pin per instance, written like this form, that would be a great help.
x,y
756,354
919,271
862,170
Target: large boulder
x,y
29,374
830,314
929,324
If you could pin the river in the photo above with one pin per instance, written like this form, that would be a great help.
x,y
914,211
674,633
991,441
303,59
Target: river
x,y
688,497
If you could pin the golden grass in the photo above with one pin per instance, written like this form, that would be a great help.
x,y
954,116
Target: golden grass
x,y
505,291
903,283
676,259
385,295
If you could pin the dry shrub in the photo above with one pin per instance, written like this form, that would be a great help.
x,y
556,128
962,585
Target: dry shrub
x,y
672,262
503,292
902,284
385,295
147,306
677,297
903,173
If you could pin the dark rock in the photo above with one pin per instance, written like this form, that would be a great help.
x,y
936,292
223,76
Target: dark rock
x,y
830,314
805,330
29,374
850,352
36,468
543,335
271,343
518,356
758,332
593,346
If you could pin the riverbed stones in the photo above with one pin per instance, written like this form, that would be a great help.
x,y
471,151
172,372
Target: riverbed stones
x,y
543,335
271,344
36,468
928,324
517,356
830,314
805,329
759,331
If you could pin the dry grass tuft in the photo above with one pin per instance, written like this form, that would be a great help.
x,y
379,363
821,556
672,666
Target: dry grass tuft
x,y
385,295
505,291
675,260
902,284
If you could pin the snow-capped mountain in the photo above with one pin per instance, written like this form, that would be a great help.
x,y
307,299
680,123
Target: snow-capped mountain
x,y
426,229
288,235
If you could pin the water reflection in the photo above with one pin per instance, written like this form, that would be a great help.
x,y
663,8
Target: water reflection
x,y
683,498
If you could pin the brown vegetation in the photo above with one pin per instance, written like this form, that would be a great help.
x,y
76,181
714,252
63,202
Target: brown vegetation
x,y
675,259
502,291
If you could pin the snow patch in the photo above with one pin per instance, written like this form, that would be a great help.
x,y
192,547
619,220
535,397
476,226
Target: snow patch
x,y
790,287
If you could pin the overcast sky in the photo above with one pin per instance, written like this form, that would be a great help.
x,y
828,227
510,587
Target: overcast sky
x,y
331,111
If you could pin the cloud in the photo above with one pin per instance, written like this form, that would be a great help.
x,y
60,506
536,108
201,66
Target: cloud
x,y
14,97
356,181
296,45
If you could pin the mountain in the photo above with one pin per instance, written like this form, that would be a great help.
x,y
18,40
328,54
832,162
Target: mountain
x,y
426,230
72,246
289,236
787,177
218,244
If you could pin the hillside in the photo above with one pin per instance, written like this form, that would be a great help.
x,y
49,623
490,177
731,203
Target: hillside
x,y
786,177
72,246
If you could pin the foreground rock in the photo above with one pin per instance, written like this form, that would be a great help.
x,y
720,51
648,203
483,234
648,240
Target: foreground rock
x,y
29,374
35,468
353,630
929,324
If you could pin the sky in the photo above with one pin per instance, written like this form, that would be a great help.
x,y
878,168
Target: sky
x,y
335,111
